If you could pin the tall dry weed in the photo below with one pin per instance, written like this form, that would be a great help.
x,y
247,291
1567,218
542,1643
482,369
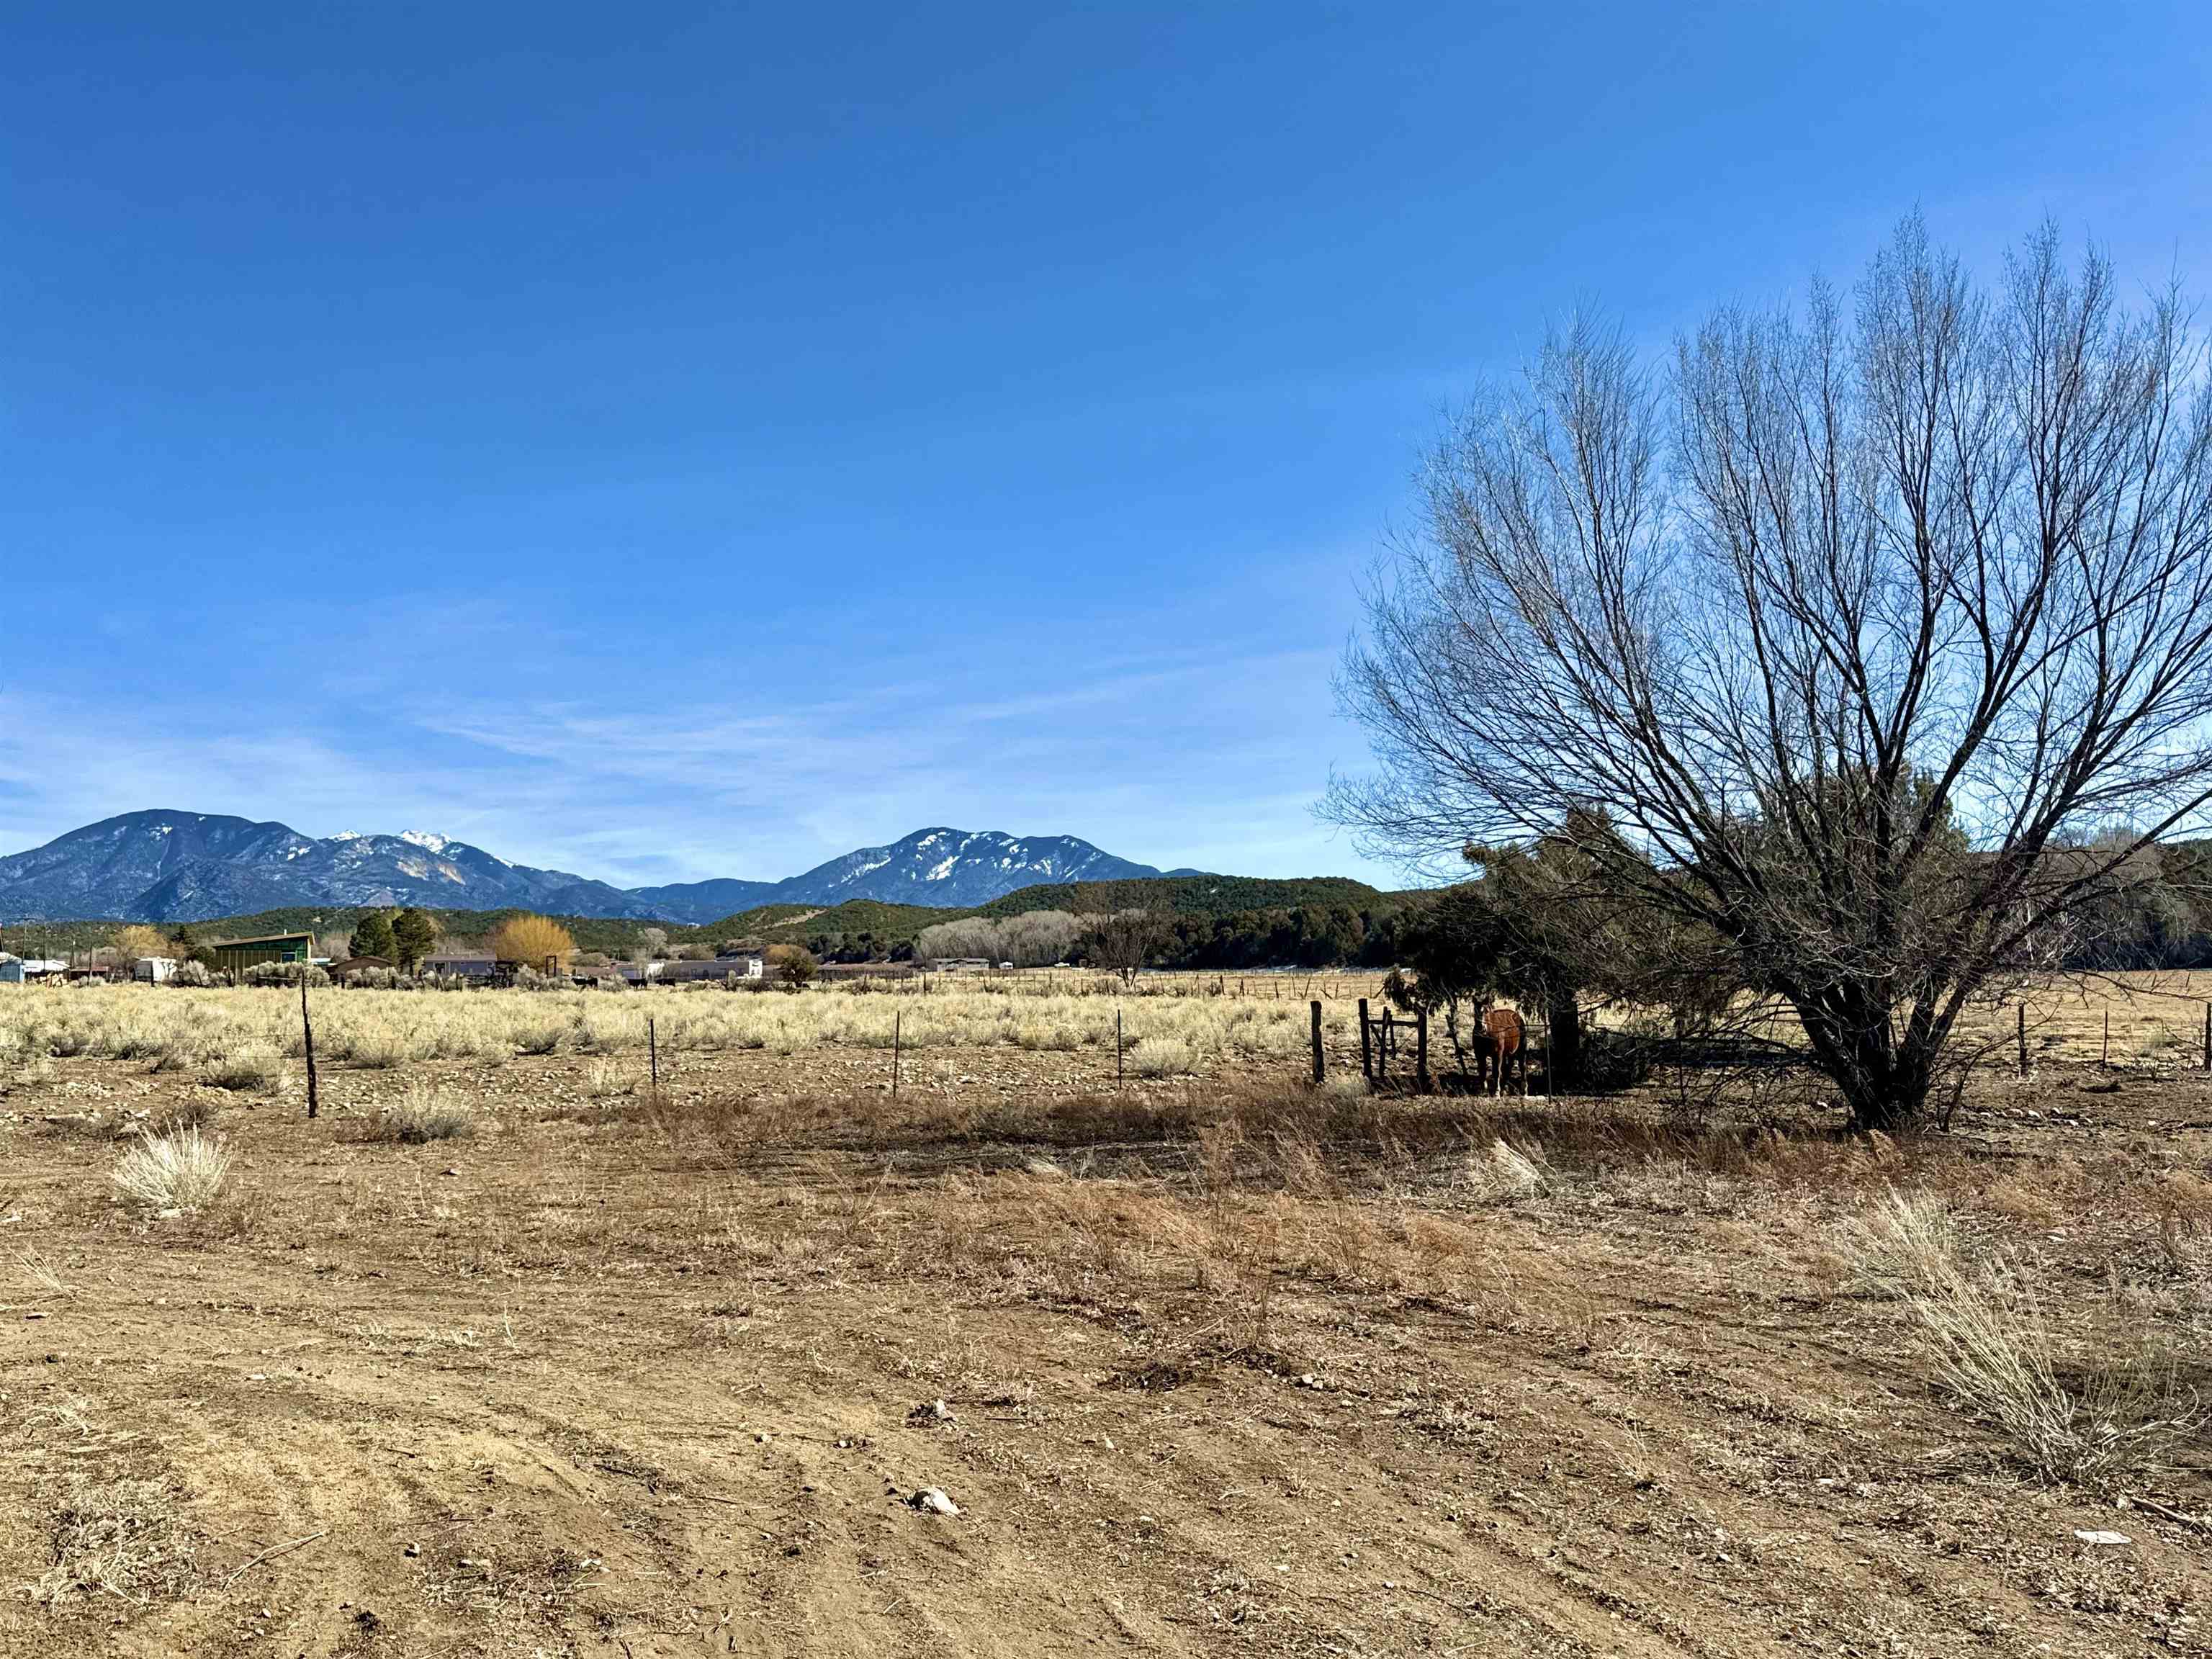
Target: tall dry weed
x,y
2095,1411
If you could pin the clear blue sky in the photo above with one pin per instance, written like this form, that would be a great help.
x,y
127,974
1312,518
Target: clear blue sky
x,y
664,441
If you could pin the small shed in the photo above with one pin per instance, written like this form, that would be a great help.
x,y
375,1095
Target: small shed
x,y
154,970
832,972
353,967
236,956
11,969
462,965
744,964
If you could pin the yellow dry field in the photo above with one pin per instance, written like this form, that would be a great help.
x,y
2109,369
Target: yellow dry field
x,y
506,1353
1171,1026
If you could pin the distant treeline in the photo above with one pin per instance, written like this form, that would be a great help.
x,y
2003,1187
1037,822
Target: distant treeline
x,y
1215,922
1212,922
2159,916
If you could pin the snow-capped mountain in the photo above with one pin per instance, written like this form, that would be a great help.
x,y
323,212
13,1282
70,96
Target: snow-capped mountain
x,y
189,867
186,866
939,866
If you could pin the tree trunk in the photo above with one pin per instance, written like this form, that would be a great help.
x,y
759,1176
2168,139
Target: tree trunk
x,y
1884,1082
1563,1059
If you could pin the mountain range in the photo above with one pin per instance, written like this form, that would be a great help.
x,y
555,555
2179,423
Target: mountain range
x,y
189,867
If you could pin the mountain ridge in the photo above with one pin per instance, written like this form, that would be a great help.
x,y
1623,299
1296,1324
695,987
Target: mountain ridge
x,y
162,865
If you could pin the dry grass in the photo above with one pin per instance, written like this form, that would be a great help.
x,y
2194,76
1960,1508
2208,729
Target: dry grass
x,y
2096,1414
255,1067
2182,1205
41,1276
606,1079
1168,1033
1198,1329
180,1171
117,1536
424,1112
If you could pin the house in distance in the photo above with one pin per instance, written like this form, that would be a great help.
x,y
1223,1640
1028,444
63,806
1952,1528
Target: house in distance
x,y
236,956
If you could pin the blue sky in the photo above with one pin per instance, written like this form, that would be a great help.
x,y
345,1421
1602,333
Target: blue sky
x,y
673,441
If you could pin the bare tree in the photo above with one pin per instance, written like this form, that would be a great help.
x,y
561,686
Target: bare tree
x,y
1853,630
1037,939
962,938
1124,941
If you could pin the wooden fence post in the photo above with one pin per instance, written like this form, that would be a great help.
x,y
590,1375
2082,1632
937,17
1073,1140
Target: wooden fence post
x,y
1317,1041
1117,1047
653,1054
2104,1048
308,1036
1367,1062
2208,1037
1421,1048
896,1018
2023,1039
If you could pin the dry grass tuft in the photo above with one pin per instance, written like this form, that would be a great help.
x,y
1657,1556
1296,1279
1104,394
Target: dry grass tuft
x,y
257,1068
1505,1172
2182,1204
606,1079
41,1275
424,1112
2096,1418
181,1170
1163,1056
2025,1200
121,1537
194,1112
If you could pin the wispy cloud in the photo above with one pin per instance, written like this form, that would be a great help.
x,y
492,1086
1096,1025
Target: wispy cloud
x,y
1166,758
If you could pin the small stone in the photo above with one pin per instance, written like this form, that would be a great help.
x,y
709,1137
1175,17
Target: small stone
x,y
933,1499
414,1549
2102,1537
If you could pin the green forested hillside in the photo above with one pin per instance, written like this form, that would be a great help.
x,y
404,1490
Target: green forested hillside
x,y
1219,922
857,930
1196,896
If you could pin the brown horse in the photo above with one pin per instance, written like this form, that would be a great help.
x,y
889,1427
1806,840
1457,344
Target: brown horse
x,y
1501,1043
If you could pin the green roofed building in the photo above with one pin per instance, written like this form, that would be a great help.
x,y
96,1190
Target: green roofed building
x,y
236,956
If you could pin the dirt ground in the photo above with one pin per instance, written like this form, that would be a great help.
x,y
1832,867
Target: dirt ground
x,y
1204,1366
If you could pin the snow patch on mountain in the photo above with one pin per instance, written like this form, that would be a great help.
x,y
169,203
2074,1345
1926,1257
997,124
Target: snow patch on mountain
x,y
173,867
